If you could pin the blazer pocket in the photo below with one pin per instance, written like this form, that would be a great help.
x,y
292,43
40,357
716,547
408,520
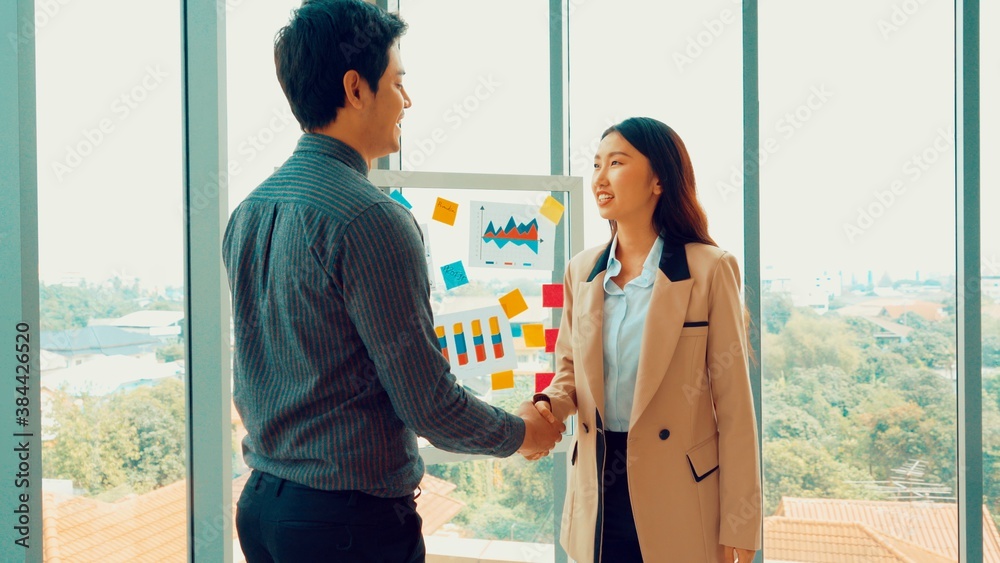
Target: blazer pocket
x,y
573,458
692,329
704,458
695,323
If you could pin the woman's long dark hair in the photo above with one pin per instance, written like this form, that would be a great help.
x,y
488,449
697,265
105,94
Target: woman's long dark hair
x,y
678,216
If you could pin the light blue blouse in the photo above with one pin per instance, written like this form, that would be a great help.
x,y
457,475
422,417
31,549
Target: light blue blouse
x,y
625,312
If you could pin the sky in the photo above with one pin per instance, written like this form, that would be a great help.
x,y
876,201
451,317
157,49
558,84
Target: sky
x,y
856,119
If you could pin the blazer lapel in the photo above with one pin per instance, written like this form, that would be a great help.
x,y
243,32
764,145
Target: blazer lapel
x,y
667,307
589,331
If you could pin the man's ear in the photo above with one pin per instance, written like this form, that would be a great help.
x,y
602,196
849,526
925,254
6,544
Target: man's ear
x,y
354,89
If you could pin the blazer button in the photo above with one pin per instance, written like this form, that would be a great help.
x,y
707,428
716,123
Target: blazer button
x,y
664,434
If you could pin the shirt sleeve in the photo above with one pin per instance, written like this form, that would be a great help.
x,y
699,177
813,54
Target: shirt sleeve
x,y
383,276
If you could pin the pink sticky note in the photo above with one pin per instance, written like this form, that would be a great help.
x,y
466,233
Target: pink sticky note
x,y
551,334
552,295
542,380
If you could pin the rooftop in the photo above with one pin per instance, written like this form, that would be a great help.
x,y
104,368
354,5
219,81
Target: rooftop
x,y
932,526
152,527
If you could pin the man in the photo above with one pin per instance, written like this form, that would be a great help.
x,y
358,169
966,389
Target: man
x,y
336,365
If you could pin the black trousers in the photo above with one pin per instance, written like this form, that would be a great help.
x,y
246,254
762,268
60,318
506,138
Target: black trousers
x,y
284,522
620,542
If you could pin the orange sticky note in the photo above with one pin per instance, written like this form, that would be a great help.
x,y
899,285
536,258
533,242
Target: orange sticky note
x,y
513,304
503,380
542,380
445,211
552,209
551,335
534,335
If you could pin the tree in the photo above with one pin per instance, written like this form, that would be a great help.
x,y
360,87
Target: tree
x,y
892,430
170,353
776,309
92,444
156,413
128,441
810,341
801,468
880,364
64,308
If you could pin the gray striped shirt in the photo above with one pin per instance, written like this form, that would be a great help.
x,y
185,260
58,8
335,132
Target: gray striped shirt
x,y
336,366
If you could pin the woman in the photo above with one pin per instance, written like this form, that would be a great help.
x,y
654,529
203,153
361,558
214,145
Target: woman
x,y
652,355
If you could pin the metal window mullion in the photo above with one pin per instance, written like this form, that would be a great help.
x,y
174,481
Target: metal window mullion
x,y
969,284
19,283
751,209
209,433
558,157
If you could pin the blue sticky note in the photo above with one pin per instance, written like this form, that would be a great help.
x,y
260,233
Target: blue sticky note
x,y
515,330
454,275
398,196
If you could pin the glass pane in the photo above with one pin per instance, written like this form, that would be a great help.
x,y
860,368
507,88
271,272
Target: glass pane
x,y
262,130
694,85
990,191
111,273
483,109
504,499
857,225
472,112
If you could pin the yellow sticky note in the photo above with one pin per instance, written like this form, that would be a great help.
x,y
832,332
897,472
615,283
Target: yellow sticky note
x,y
503,380
513,304
552,209
534,335
445,211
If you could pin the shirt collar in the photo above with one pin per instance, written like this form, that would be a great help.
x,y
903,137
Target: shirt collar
x,y
324,144
649,267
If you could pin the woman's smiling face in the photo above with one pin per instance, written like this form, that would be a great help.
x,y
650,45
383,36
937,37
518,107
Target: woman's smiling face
x,y
624,184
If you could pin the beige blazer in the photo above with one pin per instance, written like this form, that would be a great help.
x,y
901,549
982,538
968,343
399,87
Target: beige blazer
x,y
693,469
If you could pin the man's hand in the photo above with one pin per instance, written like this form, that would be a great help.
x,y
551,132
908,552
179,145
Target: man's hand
x,y
735,554
540,435
545,410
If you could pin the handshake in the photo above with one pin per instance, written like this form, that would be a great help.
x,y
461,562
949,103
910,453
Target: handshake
x,y
541,430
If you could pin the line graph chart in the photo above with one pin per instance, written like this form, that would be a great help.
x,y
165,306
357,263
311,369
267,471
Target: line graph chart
x,y
505,235
513,233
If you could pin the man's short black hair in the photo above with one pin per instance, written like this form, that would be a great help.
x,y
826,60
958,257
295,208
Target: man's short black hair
x,y
324,40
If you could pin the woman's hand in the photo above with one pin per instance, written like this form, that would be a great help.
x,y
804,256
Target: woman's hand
x,y
734,554
546,412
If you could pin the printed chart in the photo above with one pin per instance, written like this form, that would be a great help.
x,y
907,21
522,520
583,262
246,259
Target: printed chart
x,y
477,342
504,235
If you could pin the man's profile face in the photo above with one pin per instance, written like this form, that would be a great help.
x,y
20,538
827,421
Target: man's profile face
x,y
387,110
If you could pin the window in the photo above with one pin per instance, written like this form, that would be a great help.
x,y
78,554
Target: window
x,y
679,63
473,109
111,280
857,214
